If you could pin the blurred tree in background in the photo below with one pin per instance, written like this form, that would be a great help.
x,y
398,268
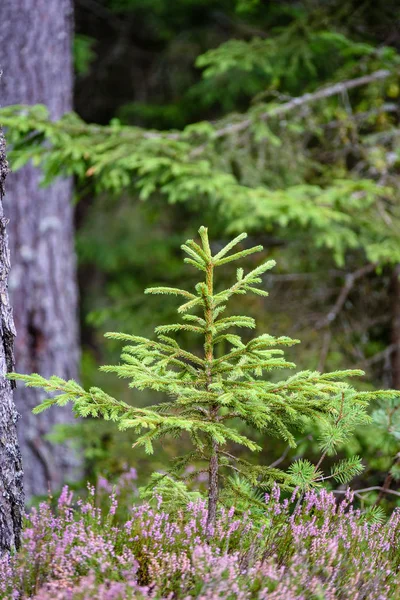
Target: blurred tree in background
x,y
36,60
281,118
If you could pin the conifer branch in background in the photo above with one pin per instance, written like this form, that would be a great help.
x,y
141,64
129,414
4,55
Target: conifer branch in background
x,y
211,393
344,212
295,103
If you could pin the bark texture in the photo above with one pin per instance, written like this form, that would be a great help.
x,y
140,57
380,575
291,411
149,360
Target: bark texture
x,y
35,56
11,487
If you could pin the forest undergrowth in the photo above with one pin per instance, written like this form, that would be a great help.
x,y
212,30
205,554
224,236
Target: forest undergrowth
x,y
108,545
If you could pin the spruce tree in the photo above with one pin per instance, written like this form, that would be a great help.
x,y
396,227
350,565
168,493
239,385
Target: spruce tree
x,y
209,395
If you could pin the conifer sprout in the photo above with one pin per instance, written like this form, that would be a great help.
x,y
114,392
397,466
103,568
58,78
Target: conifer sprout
x,y
210,395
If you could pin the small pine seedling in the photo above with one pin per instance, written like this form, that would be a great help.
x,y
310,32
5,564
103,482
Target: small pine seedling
x,y
210,394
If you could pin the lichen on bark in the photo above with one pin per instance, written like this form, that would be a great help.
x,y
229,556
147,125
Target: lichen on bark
x,y
11,474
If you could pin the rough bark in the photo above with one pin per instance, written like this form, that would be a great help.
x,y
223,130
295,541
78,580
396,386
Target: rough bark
x,y
11,486
35,56
213,490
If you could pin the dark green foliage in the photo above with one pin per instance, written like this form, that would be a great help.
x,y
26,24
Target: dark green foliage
x,y
344,215
340,144
83,53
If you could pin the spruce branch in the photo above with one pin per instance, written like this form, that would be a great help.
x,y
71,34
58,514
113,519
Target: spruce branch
x,y
295,103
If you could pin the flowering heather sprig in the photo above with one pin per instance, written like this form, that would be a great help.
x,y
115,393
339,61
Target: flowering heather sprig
x,y
317,549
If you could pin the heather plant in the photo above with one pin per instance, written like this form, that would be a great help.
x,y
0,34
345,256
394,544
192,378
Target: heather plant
x,y
317,549
210,394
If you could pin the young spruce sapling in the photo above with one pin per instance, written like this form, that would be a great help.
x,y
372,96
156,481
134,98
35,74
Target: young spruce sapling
x,y
209,394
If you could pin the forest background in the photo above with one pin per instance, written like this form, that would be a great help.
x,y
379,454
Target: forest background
x,y
278,118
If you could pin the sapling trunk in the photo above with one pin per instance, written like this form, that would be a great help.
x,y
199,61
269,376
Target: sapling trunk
x,y
36,59
212,487
209,356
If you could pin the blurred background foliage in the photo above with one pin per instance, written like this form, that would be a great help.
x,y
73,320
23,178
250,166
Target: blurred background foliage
x,y
316,184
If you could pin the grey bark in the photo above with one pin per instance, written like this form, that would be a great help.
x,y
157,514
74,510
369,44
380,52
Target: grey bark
x,y
35,56
11,486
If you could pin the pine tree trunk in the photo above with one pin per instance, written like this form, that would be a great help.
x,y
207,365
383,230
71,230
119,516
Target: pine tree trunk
x,y
11,486
35,56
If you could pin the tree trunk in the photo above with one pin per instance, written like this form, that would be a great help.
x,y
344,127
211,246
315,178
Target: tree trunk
x,y
35,56
213,491
11,487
